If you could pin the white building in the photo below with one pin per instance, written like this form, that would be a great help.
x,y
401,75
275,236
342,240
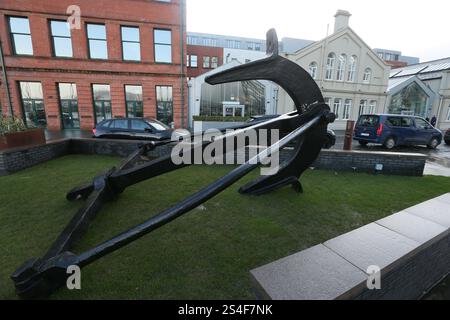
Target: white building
x,y
352,77
423,90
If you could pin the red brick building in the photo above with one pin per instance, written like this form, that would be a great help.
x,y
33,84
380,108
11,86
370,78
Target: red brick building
x,y
201,59
119,58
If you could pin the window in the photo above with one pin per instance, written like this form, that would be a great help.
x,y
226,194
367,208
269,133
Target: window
x,y
346,115
407,122
367,75
214,62
336,107
120,124
131,46
206,62
139,125
422,124
372,107
341,67
188,60
62,41
233,44
102,102
330,66
448,113
327,101
163,46
394,122
20,35
257,46
352,69
68,100
164,104
33,104
98,48
134,101
362,107
194,61
313,70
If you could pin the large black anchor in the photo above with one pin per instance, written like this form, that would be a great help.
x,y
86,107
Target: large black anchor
x,y
307,127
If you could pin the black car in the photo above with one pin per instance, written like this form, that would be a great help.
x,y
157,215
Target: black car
x,y
133,129
447,137
330,139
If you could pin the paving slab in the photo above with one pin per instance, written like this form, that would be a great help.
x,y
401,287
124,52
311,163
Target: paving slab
x,y
313,274
372,245
444,198
413,227
434,210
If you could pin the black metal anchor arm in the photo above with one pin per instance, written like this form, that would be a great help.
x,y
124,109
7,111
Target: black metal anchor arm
x,y
307,126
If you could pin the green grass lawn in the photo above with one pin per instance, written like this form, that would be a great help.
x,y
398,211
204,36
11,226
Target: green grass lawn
x,y
207,254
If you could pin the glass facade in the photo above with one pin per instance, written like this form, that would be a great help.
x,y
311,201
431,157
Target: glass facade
x,y
250,94
412,100
33,104
68,99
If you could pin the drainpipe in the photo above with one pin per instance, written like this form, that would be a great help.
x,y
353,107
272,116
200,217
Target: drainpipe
x,y
438,116
5,80
182,27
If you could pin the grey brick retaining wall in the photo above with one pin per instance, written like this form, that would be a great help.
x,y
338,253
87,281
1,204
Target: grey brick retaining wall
x,y
393,163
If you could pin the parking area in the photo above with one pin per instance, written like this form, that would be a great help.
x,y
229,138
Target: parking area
x,y
440,156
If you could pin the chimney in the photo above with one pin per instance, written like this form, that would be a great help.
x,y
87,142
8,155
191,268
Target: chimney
x,y
341,20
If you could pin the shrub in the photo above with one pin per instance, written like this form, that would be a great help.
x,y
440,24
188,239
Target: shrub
x,y
11,125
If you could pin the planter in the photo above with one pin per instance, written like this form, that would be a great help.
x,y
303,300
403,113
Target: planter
x,y
23,138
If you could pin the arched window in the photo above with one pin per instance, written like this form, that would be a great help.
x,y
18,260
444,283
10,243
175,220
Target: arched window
x,y
313,70
352,68
341,67
367,75
337,107
330,66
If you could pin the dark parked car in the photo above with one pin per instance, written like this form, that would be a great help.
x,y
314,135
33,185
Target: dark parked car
x,y
134,129
330,139
396,130
447,137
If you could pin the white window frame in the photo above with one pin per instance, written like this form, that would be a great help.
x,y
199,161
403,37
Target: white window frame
x,y
330,66
367,75
336,107
341,67
313,70
373,106
362,107
347,112
352,68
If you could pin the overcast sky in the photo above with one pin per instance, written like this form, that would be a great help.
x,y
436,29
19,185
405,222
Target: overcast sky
x,y
416,28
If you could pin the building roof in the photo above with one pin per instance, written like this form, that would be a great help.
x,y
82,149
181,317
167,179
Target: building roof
x,y
422,68
398,84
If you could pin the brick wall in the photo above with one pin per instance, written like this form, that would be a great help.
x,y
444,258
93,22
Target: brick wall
x,y
200,52
49,70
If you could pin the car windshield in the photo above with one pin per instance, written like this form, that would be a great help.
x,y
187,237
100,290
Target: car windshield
x,y
368,121
158,125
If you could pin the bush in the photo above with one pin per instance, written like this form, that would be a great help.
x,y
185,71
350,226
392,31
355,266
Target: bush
x,y
11,125
221,119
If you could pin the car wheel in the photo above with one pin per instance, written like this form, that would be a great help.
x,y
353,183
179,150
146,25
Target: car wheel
x,y
433,143
389,143
363,143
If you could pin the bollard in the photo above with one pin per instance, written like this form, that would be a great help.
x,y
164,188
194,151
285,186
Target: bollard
x,y
349,135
